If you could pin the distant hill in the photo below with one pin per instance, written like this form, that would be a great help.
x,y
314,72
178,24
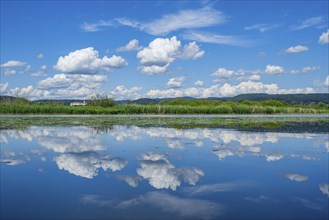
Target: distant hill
x,y
63,101
300,99
5,98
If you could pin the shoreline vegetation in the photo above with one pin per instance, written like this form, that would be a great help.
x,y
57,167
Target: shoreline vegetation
x,y
176,106
277,124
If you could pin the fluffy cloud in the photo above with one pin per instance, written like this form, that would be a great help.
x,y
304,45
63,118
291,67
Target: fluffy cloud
x,y
249,78
161,174
296,49
216,39
185,19
273,157
97,26
242,75
296,177
223,73
87,164
271,69
176,82
13,67
40,56
131,180
262,27
121,93
131,46
3,87
199,83
225,90
87,61
63,86
161,52
67,140
324,38
192,51
13,63
310,22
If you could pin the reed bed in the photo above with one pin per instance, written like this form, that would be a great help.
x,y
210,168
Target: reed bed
x,y
223,108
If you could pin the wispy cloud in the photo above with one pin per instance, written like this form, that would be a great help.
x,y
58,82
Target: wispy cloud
x,y
184,19
97,26
207,37
262,27
310,22
217,187
160,202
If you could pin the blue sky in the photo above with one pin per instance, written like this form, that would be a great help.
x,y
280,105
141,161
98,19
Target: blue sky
x,y
156,49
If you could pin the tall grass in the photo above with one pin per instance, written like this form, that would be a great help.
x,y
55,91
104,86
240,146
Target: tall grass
x,y
223,108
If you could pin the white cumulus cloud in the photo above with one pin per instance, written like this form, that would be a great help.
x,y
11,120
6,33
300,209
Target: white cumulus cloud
x,y
87,164
87,61
161,174
223,73
131,46
13,63
271,69
161,52
121,93
324,38
199,83
175,82
296,49
63,86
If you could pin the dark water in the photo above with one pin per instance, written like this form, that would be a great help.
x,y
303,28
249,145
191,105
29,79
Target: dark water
x,y
162,173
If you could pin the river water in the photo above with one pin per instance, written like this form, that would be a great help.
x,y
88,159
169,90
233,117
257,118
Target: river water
x,y
121,172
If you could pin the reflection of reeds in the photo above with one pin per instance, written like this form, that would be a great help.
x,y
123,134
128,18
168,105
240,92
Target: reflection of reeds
x,y
104,124
222,108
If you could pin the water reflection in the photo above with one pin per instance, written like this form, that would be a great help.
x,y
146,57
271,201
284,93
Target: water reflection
x,y
188,208
87,164
296,177
324,188
161,174
158,172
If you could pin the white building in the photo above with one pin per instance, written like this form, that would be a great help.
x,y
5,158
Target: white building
x,y
78,103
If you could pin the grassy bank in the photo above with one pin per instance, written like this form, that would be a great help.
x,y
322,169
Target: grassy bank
x,y
220,108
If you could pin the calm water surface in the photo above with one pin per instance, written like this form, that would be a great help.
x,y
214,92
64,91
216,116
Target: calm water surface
x,y
162,173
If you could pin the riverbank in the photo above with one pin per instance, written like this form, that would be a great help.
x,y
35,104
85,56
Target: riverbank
x,y
281,123
224,108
